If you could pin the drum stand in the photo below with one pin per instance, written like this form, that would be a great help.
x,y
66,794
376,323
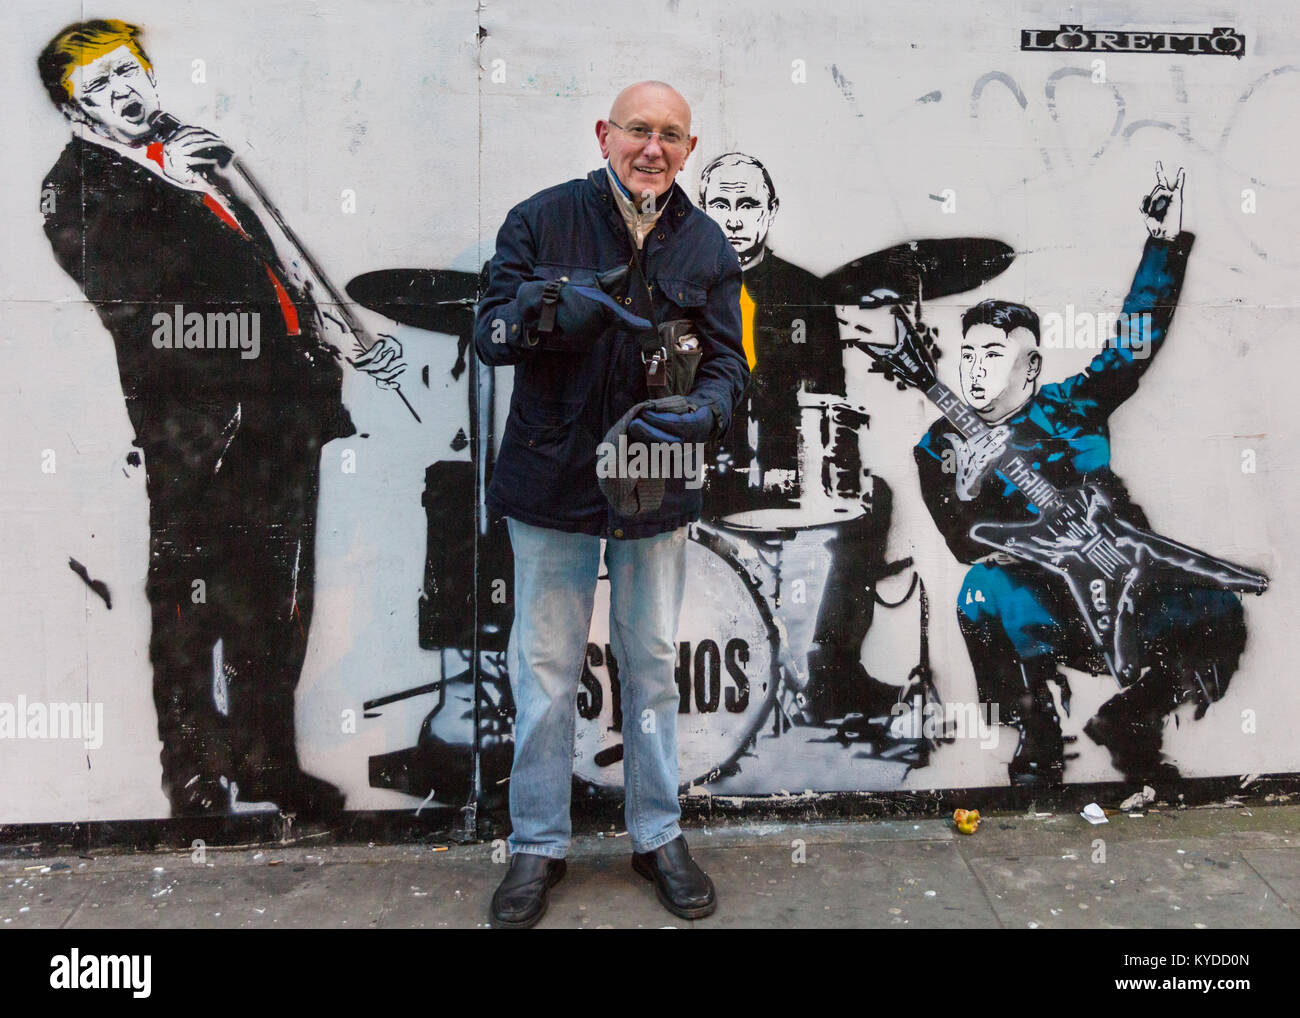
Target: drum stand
x,y
460,767
919,690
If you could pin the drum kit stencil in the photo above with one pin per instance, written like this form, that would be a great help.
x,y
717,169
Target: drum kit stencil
x,y
754,590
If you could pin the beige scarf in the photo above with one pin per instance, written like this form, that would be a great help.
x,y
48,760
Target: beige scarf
x,y
639,224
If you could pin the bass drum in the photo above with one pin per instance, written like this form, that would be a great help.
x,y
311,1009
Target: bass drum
x,y
728,668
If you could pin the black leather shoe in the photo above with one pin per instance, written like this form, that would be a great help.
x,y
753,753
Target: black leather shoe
x,y
525,891
294,792
199,794
683,888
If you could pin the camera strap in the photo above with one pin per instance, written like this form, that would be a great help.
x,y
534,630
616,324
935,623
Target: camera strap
x,y
654,352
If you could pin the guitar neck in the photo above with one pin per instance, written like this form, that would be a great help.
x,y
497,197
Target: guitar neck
x,y
1033,485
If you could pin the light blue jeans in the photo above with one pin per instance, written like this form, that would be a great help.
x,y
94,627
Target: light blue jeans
x,y
555,588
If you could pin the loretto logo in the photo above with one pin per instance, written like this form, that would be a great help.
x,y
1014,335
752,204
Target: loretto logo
x,y
1224,42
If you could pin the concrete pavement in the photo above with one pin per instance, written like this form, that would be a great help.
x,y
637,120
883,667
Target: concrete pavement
x,y
1227,867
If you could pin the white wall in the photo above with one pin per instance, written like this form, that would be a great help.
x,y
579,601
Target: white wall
x,y
395,100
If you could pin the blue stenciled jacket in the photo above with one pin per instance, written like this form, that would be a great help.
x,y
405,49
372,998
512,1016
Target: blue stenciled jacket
x,y
563,400
1064,432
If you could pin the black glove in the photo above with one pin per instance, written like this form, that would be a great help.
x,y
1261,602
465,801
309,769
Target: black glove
x,y
569,315
695,425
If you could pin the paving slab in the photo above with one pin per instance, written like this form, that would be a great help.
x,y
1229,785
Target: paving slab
x,y
883,884
439,893
36,900
1280,869
293,895
1195,883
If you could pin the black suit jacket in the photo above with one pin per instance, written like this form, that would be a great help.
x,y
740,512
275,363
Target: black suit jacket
x,y
782,294
208,420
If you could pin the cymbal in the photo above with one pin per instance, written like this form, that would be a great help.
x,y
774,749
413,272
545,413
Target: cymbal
x,y
439,300
925,268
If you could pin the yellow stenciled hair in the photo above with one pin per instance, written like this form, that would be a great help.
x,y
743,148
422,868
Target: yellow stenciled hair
x,y
80,44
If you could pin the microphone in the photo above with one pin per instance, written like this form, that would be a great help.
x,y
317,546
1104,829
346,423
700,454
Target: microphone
x,y
165,127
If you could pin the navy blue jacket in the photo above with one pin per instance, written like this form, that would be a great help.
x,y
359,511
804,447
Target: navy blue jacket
x,y
565,400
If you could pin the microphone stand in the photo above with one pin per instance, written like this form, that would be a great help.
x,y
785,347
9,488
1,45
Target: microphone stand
x,y
352,324
166,125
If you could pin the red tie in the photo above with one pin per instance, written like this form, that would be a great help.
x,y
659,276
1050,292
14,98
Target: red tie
x,y
287,309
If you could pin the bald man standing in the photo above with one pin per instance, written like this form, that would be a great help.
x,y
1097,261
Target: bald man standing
x,y
580,367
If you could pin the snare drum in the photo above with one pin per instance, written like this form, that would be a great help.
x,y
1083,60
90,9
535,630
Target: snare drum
x,y
728,667
831,479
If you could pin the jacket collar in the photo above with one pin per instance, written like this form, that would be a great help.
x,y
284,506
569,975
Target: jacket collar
x,y
639,223
676,210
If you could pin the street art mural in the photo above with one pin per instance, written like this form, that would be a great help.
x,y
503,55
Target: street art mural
x,y
790,479
232,378
933,552
1064,569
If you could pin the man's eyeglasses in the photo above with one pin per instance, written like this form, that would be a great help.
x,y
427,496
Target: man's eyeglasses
x,y
642,135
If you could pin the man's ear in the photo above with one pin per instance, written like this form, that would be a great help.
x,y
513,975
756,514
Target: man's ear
x,y
74,114
1035,365
602,136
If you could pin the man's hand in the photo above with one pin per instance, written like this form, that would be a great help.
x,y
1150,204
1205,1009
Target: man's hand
x,y
660,426
1162,209
382,362
974,458
194,152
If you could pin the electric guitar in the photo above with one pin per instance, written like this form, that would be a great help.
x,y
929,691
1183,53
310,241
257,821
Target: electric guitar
x,y
1076,534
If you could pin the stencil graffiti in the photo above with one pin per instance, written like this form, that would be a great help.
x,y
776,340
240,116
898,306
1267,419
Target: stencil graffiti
x,y
1064,569
148,217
